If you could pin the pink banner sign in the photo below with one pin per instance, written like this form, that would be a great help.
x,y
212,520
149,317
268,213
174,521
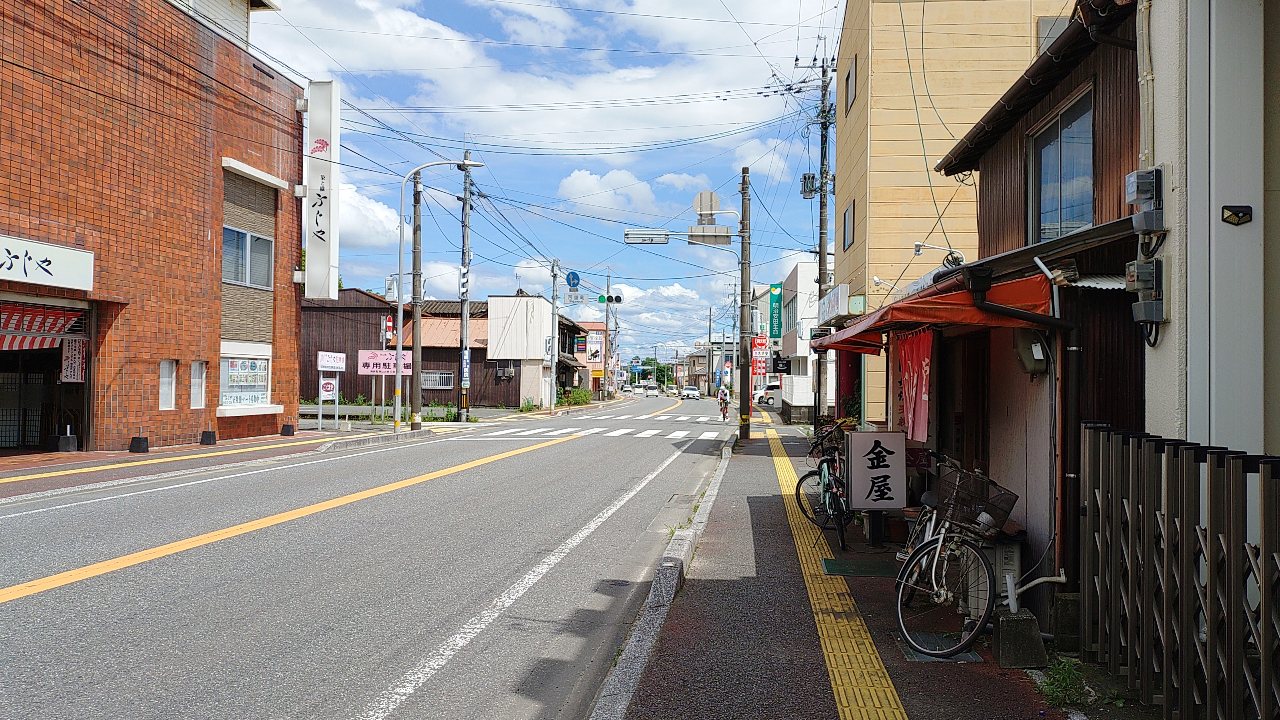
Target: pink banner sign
x,y
914,356
383,362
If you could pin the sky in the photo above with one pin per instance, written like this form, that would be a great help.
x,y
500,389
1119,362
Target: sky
x,y
591,116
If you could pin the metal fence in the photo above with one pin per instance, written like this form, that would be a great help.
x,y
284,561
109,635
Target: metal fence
x,y
1180,573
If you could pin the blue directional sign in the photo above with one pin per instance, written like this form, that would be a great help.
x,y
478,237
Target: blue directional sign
x,y
572,279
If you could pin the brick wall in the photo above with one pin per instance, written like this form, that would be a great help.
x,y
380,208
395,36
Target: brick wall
x,y
114,118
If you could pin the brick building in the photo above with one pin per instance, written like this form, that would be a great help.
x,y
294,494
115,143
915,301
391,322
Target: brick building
x,y
149,232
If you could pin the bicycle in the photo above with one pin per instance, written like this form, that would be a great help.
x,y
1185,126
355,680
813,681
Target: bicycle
x,y
820,493
946,590
724,411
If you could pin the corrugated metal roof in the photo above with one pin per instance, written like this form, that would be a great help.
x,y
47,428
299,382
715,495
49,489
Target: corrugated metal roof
x,y
446,308
1101,282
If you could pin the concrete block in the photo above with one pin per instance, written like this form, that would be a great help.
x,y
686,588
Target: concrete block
x,y
1066,622
1017,640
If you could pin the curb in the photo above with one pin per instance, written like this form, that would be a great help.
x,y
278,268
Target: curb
x,y
379,439
619,687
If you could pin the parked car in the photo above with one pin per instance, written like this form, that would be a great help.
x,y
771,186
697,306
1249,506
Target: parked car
x,y
768,394
651,391
690,392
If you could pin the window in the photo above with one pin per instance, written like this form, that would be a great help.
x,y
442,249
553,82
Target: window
x,y
432,380
247,259
1061,174
168,383
851,85
1048,29
847,227
789,314
199,371
244,382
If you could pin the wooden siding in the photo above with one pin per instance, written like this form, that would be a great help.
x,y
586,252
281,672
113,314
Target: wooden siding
x,y
1111,368
1002,185
338,329
487,390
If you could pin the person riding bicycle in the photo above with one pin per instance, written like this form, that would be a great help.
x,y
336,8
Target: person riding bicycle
x,y
723,397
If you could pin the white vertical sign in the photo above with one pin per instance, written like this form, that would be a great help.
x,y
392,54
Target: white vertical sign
x,y
876,465
320,207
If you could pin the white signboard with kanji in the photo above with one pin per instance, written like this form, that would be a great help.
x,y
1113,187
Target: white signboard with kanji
x,y
40,263
331,361
383,362
876,470
320,207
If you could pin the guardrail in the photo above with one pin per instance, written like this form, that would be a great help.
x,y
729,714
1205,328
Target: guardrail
x,y
1180,573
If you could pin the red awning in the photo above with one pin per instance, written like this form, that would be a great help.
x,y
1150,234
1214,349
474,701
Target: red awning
x,y
930,307
39,326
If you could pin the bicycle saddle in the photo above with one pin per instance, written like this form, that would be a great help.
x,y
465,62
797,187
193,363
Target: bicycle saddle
x,y
929,499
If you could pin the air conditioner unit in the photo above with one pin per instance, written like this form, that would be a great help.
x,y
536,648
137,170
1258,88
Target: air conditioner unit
x,y
1006,558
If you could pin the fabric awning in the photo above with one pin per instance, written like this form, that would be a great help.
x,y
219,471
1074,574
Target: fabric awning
x,y
34,327
931,307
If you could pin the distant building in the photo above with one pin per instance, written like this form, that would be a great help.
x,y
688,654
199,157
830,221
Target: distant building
x,y
149,231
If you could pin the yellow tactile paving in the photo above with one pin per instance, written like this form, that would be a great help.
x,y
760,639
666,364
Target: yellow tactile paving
x,y
764,418
862,687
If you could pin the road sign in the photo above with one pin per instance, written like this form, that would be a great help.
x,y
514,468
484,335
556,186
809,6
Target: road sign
x,y
466,369
572,279
331,361
328,389
574,298
632,236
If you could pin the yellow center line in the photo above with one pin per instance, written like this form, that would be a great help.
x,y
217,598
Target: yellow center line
x,y
174,458
862,686
664,411
50,582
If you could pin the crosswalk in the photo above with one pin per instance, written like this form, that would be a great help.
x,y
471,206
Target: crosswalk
x,y
612,433
677,418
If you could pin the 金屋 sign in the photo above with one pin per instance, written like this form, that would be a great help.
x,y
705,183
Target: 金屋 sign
x,y
320,208
40,263
876,470
383,362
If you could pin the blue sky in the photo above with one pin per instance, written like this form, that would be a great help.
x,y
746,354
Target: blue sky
x,y
591,117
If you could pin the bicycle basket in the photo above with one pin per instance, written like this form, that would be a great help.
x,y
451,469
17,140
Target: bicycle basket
x,y
974,501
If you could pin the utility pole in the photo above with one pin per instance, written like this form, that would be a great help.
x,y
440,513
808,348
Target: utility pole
x,y
415,385
609,372
824,285
744,342
555,332
464,294
709,310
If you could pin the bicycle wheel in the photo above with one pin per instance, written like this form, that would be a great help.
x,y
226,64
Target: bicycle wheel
x,y
946,593
841,516
809,498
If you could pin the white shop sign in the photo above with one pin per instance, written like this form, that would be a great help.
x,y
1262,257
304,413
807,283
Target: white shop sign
x,y
40,263
876,470
331,361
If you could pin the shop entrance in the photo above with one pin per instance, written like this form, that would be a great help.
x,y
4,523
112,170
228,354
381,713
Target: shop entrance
x,y
43,367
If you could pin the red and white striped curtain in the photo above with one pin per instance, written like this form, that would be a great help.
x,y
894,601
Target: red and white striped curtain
x,y
31,319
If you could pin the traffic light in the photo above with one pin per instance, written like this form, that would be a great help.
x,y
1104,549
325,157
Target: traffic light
x,y
464,277
610,298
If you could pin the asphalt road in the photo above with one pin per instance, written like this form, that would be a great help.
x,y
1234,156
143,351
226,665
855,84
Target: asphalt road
x,y
488,574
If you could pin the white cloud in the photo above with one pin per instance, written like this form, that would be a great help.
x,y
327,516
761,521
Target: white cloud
x,y
771,158
685,181
366,222
617,190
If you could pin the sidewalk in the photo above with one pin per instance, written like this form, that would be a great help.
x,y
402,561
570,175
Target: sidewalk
x,y
758,631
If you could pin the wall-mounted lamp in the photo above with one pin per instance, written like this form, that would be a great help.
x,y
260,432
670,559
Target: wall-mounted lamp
x,y
953,259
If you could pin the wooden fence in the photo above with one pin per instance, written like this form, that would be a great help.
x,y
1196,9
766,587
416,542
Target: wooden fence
x,y
1180,573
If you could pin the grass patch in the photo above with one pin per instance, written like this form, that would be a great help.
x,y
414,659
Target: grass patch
x,y
1064,685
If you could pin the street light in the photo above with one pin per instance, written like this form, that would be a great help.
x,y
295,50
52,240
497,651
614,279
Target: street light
x,y
400,275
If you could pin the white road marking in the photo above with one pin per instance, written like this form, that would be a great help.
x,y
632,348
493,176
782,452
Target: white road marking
x,y
648,433
592,431
704,418
532,431
682,418
664,417
209,480
564,431
619,431
508,431
601,417
409,683
709,435
622,417
677,434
